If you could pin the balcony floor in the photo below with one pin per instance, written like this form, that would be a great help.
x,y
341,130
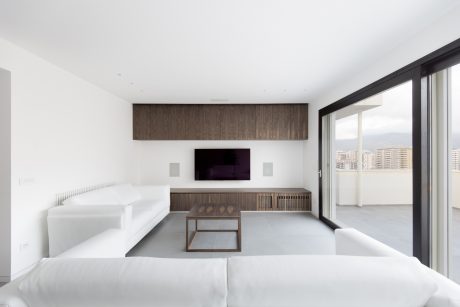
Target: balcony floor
x,y
392,225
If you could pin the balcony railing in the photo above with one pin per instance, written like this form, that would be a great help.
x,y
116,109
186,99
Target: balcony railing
x,y
383,187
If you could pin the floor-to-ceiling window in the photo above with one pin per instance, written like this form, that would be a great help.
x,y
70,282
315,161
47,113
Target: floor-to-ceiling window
x,y
371,163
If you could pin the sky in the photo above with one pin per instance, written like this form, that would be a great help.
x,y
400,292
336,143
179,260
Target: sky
x,y
395,115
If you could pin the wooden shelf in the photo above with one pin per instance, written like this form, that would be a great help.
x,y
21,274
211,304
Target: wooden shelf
x,y
254,199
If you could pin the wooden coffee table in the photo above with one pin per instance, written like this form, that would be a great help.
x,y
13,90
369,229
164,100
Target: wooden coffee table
x,y
212,212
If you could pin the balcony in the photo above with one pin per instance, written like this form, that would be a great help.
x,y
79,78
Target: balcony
x,y
386,213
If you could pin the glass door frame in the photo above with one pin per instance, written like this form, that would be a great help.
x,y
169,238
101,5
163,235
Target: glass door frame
x,y
418,72
439,78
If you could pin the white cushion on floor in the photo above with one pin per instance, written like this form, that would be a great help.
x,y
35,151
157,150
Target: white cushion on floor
x,y
327,281
123,282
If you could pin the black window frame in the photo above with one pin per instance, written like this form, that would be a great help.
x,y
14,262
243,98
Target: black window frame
x,y
417,72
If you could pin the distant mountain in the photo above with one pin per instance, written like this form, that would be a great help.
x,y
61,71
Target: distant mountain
x,y
373,142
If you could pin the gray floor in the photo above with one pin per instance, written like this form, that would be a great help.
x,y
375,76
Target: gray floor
x,y
392,225
263,234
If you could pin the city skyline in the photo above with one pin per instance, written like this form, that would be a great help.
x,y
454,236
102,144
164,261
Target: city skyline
x,y
385,158
382,158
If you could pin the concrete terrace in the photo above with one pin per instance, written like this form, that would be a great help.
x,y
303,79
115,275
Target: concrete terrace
x,y
392,225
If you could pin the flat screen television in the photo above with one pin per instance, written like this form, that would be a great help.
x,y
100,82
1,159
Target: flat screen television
x,y
223,164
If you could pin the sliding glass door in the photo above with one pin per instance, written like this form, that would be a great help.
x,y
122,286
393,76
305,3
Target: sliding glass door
x,y
389,160
367,167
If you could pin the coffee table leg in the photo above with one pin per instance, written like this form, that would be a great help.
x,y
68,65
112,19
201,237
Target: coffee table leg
x,y
186,234
239,234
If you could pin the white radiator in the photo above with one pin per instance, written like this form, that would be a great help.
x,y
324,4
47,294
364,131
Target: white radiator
x,y
63,196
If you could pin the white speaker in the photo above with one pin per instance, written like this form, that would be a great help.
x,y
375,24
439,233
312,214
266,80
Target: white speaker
x,y
268,169
174,169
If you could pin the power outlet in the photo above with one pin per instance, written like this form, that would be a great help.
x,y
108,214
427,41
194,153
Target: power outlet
x,y
23,246
26,181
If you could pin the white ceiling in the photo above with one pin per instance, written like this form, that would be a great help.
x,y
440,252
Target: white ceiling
x,y
215,50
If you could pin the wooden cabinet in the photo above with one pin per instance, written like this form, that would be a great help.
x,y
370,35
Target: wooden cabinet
x,y
274,122
220,122
238,122
246,199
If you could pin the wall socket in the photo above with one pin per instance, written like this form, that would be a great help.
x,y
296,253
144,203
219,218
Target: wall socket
x,y
23,246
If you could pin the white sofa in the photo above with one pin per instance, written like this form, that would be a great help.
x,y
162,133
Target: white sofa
x,y
351,242
289,281
115,218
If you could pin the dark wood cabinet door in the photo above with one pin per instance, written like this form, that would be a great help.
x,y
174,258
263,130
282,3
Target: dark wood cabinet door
x,y
299,122
177,122
194,122
140,122
158,123
281,122
273,121
211,125
238,122
264,121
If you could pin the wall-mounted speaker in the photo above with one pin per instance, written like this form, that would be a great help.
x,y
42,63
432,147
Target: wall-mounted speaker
x,y
268,169
174,169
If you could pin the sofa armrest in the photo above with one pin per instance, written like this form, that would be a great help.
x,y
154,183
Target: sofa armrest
x,y
351,242
69,225
107,244
10,295
154,191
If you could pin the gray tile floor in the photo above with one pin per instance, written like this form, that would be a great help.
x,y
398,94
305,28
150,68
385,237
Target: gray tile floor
x,y
392,225
389,224
263,234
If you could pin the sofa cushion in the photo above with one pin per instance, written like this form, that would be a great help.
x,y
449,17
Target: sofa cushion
x,y
141,206
320,281
140,282
144,211
126,193
104,196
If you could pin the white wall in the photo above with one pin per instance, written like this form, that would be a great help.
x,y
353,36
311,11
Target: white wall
x,y
456,189
5,175
437,35
66,133
287,157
